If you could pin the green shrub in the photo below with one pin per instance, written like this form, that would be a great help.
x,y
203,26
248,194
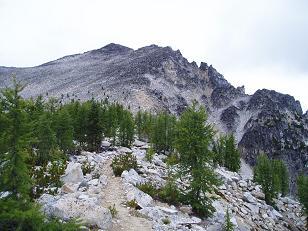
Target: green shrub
x,y
113,210
149,188
122,163
166,221
47,176
170,193
133,204
150,154
173,159
86,168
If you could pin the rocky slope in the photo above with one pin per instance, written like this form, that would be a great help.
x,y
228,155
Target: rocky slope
x,y
88,197
159,78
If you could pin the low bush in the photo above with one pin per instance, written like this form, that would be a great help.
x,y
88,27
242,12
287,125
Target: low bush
x,y
113,210
172,159
133,204
166,221
150,154
149,188
47,178
170,194
86,168
122,163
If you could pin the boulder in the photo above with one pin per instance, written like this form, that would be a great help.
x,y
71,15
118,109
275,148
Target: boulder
x,y
103,180
259,195
132,177
142,199
105,144
4,194
242,184
69,188
73,173
84,208
168,211
248,197
93,182
139,143
124,150
253,208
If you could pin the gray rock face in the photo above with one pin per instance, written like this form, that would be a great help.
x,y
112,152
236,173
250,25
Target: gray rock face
x,y
83,207
73,173
159,78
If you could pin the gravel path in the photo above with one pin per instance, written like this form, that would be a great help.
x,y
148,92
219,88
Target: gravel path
x,y
114,194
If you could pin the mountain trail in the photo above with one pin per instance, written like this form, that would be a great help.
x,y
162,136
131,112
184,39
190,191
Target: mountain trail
x,y
114,194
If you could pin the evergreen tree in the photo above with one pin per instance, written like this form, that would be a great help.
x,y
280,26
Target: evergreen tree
x,y
219,149
126,129
302,189
192,142
263,174
46,140
113,118
80,125
232,155
162,133
14,170
281,177
64,130
94,127
139,124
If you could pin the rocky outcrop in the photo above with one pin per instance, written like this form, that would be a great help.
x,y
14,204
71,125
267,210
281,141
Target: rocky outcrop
x,y
278,130
73,173
78,206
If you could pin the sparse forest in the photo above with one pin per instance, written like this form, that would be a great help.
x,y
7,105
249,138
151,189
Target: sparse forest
x,y
37,136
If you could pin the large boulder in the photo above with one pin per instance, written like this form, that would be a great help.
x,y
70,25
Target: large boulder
x,y
80,207
73,173
142,199
132,177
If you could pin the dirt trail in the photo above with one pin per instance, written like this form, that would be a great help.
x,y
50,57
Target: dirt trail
x,y
114,194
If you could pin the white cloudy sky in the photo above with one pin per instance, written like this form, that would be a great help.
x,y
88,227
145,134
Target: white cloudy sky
x,y
256,43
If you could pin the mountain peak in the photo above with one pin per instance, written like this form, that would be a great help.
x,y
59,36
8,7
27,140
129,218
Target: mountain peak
x,y
112,48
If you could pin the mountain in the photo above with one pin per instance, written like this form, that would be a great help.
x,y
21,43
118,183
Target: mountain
x,y
159,78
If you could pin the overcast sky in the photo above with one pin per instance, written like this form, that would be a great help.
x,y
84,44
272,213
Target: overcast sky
x,y
259,44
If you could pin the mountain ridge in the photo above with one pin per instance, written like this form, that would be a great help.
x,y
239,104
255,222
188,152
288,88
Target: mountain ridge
x,y
158,78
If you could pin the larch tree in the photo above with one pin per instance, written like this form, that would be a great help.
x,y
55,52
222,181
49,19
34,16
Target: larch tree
x,y
192,142
14,170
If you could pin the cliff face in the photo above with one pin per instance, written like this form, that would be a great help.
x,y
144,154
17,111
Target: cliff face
x,y
159,78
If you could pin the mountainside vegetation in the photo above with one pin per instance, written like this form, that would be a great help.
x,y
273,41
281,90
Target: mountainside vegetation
x,y
37,137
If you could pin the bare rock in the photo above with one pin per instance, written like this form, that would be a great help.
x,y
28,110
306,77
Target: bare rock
x,y
73,173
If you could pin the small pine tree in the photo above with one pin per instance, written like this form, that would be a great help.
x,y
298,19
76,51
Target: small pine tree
x,y
228,224
94,129
232,154
281,177
162,132
46,140
64,130
126,129
263,174
139,123
219,148
192,142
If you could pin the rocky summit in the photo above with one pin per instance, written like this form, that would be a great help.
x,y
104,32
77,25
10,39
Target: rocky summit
x,y
159,78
